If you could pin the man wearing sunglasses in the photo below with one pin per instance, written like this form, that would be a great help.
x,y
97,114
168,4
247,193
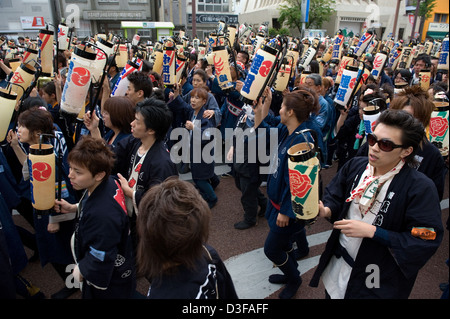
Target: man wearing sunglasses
x,y
386,216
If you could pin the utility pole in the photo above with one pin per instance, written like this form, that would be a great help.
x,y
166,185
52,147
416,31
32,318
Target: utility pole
x,y
415,20
194,18
396,18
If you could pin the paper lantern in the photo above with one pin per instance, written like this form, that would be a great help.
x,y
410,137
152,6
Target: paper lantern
x,y
158,61
45,43
136,39
78,80
347,84
346,60
303,76
428,46
122,56
180,66
30,55
309,55
222,67
378,64
261,67
15,63
435,49
400,87
404,60
221,27
371,114
104,50
7,104
373,47
284,75
231,34
122,83
363,43
41,163
169,64
439,133
260,37
23,77
424,79
443,56
63,39
328,54
394,58
304,167
294,54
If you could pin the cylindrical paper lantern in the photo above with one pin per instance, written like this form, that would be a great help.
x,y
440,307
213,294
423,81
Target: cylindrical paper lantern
x,y
7,104
283,75
158,62
101,58
222,67
404,58
370,116
122,56
304,170
169,64
378,64
346,60
63,39
363,43
424,79
346,86
42,176
122,83
439,127
231,31
260,69
45,43
30,55
78,80
443,56
23,76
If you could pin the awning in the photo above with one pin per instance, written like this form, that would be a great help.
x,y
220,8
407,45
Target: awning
x,y
436,35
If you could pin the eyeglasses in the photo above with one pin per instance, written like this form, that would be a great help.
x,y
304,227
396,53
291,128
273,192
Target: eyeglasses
x,y
384,144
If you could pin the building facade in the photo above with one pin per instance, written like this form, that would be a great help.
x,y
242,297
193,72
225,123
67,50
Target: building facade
x,y
350,15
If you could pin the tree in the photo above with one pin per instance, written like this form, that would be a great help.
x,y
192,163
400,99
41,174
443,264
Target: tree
x,y
426,8
319,12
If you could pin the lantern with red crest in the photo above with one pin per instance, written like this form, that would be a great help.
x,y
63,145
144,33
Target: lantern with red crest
x,y
78,80
260,71
42,176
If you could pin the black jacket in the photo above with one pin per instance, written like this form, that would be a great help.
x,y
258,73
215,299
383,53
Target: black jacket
x,y
411,201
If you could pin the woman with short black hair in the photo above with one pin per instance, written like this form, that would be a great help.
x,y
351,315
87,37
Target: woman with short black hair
x,y
385,215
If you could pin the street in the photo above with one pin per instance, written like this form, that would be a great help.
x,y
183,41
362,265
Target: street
x,y
243,255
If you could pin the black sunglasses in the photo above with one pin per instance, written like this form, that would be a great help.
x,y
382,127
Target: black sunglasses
x,y
384,144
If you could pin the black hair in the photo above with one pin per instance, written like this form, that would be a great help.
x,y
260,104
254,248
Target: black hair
x,y
141,81
405,74
193,57
157,116
246,54
413,132
425,58
202,73
316,78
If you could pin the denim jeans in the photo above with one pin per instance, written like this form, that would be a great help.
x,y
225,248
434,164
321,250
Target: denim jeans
x,y
206,190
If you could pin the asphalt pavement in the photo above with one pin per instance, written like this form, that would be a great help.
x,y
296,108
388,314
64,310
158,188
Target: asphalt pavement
x,y
242,252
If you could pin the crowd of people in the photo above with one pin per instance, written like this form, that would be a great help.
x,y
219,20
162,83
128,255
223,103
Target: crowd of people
x,y
124,213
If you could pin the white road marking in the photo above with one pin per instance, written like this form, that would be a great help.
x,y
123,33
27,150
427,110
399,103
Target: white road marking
x,y
250,271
